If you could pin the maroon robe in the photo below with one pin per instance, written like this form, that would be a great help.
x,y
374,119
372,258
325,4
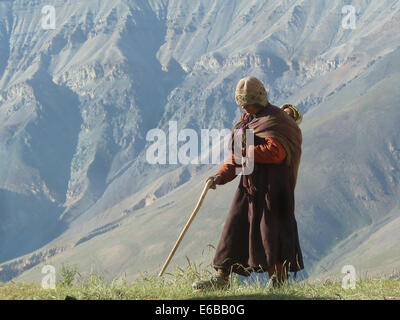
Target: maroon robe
x,y
261,229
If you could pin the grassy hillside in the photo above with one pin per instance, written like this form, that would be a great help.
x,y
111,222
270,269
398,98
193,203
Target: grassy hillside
x,y
373,248
177,286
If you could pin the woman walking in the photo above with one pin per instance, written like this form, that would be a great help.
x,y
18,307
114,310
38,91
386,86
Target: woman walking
x,y
260,233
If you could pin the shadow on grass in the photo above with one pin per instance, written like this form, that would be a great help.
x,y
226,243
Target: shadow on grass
x,y
271,296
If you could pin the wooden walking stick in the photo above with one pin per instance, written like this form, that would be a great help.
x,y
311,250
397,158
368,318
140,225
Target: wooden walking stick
x,y
203,194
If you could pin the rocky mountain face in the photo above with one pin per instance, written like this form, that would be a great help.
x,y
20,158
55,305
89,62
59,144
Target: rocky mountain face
x,y
77,101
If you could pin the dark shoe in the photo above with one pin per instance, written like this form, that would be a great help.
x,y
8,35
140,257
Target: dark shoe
x,y
215,282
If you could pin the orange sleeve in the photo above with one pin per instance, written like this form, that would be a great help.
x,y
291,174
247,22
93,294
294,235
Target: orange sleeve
x,y
269,152
227,170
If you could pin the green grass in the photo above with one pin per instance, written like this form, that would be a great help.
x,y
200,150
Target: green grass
x,y
177,286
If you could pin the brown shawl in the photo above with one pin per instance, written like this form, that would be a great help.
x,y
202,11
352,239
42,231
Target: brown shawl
x,y
272,122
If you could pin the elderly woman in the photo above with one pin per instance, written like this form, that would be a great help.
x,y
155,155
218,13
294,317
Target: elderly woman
x,y
260,233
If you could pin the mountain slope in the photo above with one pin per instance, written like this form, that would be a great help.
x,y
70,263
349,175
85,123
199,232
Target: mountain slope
x,y
76,104
355,192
